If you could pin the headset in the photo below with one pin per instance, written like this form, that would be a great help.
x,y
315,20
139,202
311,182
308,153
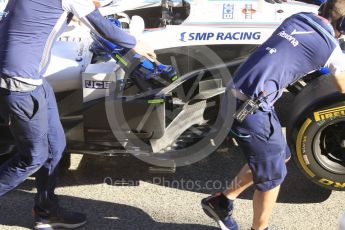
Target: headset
x,y
340,24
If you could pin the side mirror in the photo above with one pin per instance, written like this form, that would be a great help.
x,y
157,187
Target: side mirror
x,y
137,26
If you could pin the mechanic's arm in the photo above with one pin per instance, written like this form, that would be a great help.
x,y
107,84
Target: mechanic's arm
x,y
85,10
336,65
339,80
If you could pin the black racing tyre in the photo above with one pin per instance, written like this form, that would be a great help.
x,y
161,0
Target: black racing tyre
x,y
316,134
320,147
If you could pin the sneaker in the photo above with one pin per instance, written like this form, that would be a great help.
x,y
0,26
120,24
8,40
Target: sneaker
x,y
222,215
58,218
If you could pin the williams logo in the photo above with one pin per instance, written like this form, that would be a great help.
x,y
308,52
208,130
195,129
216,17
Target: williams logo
x,y
271,50
329,113
209,36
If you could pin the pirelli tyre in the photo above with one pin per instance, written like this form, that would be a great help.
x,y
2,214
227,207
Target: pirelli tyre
x,y
316,133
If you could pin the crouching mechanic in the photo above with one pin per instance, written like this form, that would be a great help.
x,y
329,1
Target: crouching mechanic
x,y
302,43
27,102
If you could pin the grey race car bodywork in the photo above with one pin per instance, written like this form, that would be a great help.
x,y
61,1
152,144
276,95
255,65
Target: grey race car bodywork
x,y
206,41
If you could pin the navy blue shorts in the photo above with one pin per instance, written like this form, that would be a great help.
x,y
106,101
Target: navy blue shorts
x,y
261,139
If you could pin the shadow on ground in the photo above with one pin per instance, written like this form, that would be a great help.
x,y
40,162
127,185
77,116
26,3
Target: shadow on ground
x,y
104,214
208,176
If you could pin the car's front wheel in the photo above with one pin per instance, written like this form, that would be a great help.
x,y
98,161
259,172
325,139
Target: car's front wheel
x,y
320,147
316,133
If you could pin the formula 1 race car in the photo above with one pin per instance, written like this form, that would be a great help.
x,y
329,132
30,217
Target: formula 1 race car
x,y
176,113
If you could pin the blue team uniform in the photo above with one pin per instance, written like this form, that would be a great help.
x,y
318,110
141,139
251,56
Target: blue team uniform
x,y
302,43
28,30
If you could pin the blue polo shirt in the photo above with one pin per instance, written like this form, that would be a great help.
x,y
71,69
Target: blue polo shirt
x,y
302,43
29,28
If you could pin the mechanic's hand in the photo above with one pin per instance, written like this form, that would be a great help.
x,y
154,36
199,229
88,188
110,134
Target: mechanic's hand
x,y
145,50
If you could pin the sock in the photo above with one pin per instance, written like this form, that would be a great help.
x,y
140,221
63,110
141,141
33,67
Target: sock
x,y
226,203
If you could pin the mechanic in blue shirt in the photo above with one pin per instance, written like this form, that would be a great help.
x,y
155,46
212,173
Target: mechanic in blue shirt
x,y
303,43
28,30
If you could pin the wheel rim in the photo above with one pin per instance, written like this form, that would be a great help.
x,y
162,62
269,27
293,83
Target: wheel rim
x,y
329,146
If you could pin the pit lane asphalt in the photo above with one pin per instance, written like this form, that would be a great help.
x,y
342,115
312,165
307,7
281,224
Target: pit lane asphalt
x,y
119,193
